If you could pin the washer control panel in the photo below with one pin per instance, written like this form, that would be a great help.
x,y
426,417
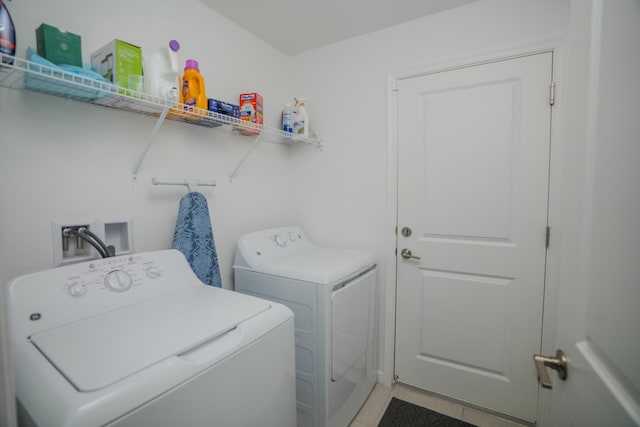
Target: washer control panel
x,y
51,298
119,274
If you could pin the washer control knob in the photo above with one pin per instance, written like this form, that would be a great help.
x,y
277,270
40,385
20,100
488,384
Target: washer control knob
x,y
293,236
118,281
77,289
280,241
153,272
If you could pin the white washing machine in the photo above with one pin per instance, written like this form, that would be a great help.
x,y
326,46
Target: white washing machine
x,y
332,295
138,340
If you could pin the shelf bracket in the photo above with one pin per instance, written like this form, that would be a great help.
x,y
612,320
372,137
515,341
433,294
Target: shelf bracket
x,y
154,132
253,146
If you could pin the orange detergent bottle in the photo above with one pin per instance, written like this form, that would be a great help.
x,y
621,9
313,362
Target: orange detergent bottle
x,y
193,94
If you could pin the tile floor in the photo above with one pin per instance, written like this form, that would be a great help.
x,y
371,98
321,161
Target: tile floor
x,y
373,409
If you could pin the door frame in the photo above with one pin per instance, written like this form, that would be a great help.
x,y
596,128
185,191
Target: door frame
x,y
557,47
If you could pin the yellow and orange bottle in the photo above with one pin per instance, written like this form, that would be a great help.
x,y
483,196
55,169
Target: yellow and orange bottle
x,y
193,94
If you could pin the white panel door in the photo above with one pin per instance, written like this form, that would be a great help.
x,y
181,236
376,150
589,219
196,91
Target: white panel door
x,y
598,315
473,159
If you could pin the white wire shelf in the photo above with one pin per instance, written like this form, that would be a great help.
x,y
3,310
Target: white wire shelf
x,y
23,74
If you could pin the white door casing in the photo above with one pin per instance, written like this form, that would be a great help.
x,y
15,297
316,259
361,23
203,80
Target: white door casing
x,y
598,315
473,159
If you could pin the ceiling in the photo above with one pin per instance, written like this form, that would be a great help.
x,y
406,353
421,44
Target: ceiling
x,y
295,26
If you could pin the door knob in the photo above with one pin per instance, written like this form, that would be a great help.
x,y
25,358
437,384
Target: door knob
x,y
559,363
406,254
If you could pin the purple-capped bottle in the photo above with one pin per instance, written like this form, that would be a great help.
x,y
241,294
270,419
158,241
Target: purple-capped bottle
x,y
193,92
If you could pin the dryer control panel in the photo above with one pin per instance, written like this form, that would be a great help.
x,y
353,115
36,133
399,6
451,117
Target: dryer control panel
x,y
65,294
255,249
286,237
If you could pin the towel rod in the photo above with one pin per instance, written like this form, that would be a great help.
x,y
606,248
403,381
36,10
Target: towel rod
x,y
190,183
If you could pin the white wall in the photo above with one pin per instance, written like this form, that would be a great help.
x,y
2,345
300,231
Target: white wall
x,y
63,159
340,195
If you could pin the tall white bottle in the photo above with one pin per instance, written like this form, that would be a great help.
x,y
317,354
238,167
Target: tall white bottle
x,y
286,118
161,72
300,119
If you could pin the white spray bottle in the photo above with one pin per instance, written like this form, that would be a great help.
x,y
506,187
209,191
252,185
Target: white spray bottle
x,y
286,118
161,72
300,119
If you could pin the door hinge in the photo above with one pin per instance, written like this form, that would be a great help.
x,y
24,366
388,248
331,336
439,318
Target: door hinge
x,y
396,251
548,238
552,94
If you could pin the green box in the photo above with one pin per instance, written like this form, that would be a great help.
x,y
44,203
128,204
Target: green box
x,y
59,47
116,61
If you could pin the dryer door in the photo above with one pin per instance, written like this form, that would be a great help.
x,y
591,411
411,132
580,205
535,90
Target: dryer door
x,y
351,323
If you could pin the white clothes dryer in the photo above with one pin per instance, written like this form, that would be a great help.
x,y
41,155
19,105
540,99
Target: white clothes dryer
x,y
332,294
138,340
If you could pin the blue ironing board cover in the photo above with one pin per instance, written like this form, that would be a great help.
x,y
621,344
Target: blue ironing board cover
x,y
194,238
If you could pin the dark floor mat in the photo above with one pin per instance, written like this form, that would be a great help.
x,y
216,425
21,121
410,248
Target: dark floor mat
x,y
404,414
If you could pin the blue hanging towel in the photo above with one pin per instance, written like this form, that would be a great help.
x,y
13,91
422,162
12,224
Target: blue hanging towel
x,y
194,238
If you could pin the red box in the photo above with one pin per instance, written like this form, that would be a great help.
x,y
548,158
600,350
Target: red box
x,y
251,109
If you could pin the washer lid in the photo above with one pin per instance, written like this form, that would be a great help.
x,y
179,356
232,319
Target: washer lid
x,y
99,351
317,265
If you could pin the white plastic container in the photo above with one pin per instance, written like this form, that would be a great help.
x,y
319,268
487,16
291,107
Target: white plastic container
x,y
300,119
161,72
